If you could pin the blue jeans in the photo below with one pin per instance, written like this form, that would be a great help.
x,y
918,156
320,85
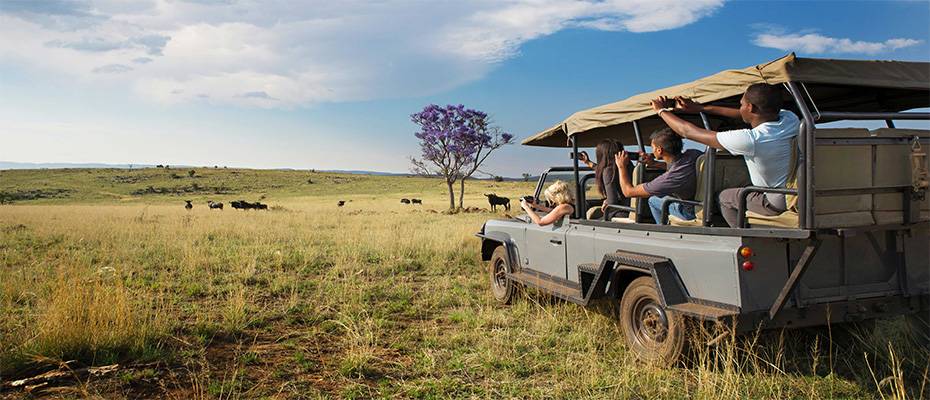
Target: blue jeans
x,y
683,211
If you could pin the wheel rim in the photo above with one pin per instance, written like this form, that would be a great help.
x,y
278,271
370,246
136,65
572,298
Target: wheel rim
x,y
650,323
499,275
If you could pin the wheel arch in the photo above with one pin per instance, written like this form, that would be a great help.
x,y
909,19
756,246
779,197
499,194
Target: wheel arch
x,y
621,278
491,240
628,266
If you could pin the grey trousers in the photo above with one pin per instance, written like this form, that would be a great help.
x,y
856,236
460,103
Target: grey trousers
x,y
755,202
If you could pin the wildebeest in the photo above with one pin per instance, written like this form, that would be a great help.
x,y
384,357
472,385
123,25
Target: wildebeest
x,y
244,205
416,201
214,205
405,201
496,200
188,206
341,203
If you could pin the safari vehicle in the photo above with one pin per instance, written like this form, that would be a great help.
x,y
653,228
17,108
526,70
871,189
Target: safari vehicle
x,y
853,246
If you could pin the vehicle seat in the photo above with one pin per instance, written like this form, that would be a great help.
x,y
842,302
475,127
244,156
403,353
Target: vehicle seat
x,y
843,166
847,166
730,172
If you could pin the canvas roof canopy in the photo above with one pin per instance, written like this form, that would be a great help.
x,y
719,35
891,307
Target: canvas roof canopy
x,y
834,85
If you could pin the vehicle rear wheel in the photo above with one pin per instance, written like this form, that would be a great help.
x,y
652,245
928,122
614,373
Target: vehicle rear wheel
x,y
501,286
655,335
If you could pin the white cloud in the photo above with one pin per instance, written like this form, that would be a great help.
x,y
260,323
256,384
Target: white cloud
x,y
495,34
112,69
298,53
814,43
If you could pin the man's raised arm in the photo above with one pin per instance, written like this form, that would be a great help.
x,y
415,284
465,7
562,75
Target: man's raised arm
x,y
684,128
687,105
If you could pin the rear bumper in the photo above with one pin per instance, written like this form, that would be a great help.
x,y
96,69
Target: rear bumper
x,y
835,312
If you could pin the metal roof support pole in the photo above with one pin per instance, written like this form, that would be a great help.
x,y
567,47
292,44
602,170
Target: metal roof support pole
x,y
710,157
801,178
639,137
806,177
579,213
890,123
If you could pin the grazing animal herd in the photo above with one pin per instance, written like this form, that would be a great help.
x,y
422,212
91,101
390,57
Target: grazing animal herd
x,y
238,204
244,205
493,199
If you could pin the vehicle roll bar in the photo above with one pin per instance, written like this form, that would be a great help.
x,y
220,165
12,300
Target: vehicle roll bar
x,y
639,137
887,116
579,191
805,178
710,164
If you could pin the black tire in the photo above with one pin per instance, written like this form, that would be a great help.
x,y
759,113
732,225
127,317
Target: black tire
x,y
656,336
502,287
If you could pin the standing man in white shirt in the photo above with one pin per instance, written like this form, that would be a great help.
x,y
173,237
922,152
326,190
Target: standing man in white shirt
x,y
766,146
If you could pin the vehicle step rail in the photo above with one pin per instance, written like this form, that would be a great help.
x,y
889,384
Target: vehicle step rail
x,y
587,275
703,310
563,290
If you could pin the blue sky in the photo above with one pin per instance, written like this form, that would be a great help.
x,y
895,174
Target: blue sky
x,y
330,85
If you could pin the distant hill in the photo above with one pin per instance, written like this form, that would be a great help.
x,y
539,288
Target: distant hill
x,y
19,165
9,165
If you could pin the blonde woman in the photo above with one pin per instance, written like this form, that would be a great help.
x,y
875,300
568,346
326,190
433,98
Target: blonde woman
x,y
559,194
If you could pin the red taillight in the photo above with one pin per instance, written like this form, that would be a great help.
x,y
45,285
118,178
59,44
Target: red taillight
x,y
746,252
748,265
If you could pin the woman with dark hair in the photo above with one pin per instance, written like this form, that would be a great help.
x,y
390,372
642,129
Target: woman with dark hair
x,y
607,178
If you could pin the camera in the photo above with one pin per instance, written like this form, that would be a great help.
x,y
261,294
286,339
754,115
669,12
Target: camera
x,y
572,155
529,199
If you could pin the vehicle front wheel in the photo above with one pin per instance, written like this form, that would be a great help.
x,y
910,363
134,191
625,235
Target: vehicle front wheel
x,y
501,286
656,336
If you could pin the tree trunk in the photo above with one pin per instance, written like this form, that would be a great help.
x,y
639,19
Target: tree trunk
x,y
451,195
462,191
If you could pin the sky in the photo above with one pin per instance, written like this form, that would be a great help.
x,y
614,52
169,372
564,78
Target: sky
x,y
331,85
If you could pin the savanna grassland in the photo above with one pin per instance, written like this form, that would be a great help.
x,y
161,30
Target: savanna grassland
x,y
376,299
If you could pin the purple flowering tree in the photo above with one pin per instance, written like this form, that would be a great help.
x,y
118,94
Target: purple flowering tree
x,y
454,142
